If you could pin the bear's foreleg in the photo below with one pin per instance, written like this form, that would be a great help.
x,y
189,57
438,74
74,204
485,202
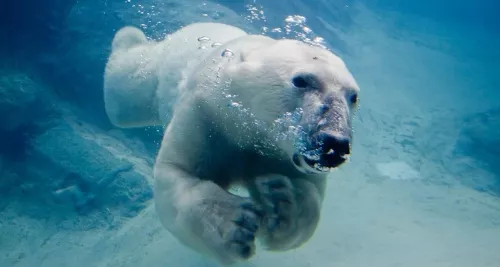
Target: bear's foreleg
x,y
206,218
198,212
291,207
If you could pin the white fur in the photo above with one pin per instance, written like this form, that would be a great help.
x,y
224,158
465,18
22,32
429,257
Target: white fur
x,y
219,110
137,69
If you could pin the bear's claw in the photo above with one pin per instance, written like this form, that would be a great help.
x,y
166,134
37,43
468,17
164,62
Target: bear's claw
x,y
277,197
249,217
240,235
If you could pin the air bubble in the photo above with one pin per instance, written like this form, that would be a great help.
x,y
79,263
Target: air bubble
x,y
227,53
236,105
295,19
216,44
203,39
313,155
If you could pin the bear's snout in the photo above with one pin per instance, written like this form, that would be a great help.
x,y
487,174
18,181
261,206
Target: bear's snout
x,y
336,144
332,150
324,151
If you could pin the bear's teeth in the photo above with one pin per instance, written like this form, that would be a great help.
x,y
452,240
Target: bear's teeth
x,y
330,152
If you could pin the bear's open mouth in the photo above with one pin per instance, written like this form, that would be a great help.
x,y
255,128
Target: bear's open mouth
x,y
324,162
328,161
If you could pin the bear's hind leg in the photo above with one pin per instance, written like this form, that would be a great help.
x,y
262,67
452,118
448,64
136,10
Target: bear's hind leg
x,y
130,81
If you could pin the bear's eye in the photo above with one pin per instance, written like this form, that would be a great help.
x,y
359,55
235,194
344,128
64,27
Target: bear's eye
x,y
300,81
354,98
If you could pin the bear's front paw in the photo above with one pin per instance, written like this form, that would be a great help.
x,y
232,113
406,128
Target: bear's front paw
x,y
277,196
229,224
239,233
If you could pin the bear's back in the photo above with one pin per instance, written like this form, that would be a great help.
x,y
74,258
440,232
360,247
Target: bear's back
x,y
143,78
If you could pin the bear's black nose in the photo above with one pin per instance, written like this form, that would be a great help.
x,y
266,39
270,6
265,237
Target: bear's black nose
x,y
330,151
335,144
334,148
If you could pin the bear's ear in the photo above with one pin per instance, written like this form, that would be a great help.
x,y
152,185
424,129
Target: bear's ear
x,y
253,48
242,68
244,56
248,55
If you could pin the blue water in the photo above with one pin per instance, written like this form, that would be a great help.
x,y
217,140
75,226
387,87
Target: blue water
x,y
422,187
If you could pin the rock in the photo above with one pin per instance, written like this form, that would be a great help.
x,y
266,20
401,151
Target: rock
x,y
397,170
477,150
97,171
481,137
27,108
75,168
22,100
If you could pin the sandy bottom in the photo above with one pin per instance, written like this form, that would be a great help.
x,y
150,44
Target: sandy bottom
x,y
366,222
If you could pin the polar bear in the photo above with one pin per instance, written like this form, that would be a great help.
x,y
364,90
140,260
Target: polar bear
x,y
273,116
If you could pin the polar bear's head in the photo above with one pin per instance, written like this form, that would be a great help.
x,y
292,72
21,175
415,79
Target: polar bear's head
x,y
286,76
